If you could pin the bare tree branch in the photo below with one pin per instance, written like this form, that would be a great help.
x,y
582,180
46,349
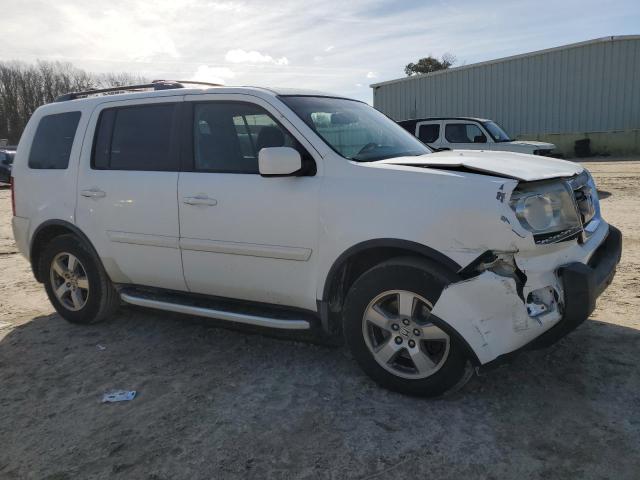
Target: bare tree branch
x,y
25,87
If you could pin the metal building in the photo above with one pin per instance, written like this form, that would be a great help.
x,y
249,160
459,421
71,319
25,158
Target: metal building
x,y
583,90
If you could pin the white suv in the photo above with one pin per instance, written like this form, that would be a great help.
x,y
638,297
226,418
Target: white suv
x,y
298,210
466,133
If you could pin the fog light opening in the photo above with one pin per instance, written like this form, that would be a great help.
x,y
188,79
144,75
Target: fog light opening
x,y
541,301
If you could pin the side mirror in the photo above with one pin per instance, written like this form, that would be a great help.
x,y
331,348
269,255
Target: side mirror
x,y
279,161
479,139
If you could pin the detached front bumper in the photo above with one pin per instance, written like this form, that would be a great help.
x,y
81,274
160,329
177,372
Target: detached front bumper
x,y
582,285
489,313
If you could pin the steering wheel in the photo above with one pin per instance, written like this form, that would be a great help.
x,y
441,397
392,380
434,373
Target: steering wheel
x,y
368,147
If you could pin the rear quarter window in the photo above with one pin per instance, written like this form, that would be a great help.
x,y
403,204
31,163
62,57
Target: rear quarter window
x,y
53,140
429,133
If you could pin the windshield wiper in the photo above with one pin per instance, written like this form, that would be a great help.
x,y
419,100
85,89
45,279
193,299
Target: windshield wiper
x,y
386,157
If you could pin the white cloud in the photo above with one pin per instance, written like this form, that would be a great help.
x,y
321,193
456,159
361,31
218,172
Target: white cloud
x,y
253,57
204,73
329,45
113,34
226,6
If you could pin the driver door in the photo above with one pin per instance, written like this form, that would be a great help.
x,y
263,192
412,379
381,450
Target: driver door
x,y
242,235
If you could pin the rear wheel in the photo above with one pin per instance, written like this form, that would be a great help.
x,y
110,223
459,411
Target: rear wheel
x,y
75,281
69,281
390,330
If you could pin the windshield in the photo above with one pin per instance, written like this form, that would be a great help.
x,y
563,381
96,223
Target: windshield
x,y
355,130
496,132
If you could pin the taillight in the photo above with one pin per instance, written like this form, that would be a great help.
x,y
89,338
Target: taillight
x,y
13,195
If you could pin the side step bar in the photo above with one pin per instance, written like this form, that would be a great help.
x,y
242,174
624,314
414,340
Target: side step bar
x,y
143,301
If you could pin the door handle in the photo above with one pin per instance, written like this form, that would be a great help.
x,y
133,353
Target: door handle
x,y
200,200
93,193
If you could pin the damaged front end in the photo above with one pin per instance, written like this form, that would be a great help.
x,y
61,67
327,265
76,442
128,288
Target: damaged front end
x,y
561,257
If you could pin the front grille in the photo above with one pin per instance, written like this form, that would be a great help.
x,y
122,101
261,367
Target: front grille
x,y
555,237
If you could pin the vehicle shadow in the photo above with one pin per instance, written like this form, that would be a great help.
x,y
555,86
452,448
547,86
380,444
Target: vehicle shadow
x,y
220,403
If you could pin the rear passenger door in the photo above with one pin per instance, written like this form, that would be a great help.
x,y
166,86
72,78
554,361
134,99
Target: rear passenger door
x,y
127,187
429,133
461,135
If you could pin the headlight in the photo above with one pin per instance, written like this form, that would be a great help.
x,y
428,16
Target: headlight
x,y
545,208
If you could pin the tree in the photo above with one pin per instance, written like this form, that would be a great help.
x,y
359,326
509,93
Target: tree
x,y
430,64
23,88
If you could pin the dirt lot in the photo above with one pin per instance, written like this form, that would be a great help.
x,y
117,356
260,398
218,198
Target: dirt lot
x,y
215,403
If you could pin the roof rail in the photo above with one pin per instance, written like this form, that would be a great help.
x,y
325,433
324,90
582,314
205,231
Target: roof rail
x,y
154,85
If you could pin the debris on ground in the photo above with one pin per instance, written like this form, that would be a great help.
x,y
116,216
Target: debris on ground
x,y
118,396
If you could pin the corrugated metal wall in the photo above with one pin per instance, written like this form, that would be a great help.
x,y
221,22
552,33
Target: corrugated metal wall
x,y
588,87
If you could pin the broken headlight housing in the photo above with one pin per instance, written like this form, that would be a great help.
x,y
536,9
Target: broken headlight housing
x,y
548,210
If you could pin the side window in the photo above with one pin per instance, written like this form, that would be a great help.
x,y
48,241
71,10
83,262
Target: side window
x,y
429,133
135,138
464,133
53,140
228,137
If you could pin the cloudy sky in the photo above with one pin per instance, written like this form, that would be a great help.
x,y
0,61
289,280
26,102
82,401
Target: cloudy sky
x,y
340,46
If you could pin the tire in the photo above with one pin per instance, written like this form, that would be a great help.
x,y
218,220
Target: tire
x,y
430,360
77,304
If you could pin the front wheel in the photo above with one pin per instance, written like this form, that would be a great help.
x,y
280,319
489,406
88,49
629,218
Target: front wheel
x,y
393,336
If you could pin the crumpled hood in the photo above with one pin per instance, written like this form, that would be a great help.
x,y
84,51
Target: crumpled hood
x,y
518,166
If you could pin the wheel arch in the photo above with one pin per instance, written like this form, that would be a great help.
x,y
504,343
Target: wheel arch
x,y
359,258
47,231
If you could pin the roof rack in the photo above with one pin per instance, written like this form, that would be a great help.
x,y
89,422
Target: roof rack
x,y
154,85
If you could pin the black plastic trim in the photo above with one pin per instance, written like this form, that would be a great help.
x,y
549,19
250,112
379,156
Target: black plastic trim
x,y
388,243
57,223
583,284
471,270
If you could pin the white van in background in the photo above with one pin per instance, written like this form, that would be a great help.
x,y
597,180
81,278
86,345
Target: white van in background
x,y
466,133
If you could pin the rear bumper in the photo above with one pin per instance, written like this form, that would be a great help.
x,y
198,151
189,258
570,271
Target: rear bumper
x,y
20,228
582,285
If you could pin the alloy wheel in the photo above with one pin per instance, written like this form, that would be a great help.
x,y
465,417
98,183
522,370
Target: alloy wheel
x,y
69,281
400,336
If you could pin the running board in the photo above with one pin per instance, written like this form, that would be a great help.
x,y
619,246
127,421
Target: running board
x,y
237,317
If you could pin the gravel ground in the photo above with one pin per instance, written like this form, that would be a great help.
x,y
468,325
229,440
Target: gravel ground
x,y
215,403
